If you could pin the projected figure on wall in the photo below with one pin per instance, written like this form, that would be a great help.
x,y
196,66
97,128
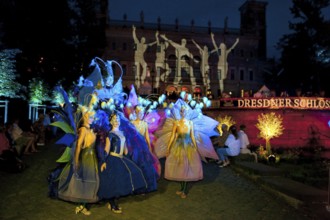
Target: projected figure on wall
x,y
140,47
180,51
161,61
223,53
204,65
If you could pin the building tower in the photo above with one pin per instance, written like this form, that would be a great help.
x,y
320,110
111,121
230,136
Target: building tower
x,y
253,22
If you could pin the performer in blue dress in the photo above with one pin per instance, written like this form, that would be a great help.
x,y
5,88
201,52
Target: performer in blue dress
x,y
119,176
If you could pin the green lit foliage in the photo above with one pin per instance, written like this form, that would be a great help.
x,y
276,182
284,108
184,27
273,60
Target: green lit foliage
x,y
57,97
9,87
72,98
38,91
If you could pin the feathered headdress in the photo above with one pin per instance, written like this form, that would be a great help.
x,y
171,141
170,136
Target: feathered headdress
x,y
144,106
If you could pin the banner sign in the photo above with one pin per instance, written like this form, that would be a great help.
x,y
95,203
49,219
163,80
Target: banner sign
x,y
318,103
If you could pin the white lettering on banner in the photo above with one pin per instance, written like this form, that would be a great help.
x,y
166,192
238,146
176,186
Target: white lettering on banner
x,y
278,103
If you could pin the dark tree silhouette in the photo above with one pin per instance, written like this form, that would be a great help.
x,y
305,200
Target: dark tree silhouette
x,y
57,38
306,51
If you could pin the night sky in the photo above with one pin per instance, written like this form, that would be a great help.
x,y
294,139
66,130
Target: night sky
x,y
277,11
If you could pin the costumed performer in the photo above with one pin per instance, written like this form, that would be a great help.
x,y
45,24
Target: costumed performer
x,y
185,146
119,176
79,180
139,153
146,119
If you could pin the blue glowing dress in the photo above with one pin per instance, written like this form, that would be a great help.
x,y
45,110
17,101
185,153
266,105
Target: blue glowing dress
x,y
139,152
83,185
122,176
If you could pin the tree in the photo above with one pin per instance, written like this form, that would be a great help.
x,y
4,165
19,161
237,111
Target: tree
x,y
305,51
39,91
270,126
9,87
56,37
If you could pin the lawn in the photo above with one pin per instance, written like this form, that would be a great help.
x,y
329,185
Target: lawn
x,y
305,165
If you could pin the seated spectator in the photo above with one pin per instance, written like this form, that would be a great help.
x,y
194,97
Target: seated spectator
x,y
6,129
245,143
39,129
47,126
4,142
9,160
231,148
220,140
30,128
22,138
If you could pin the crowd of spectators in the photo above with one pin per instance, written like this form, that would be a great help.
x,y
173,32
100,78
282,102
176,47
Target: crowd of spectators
x,y
10,157
230,143
20,139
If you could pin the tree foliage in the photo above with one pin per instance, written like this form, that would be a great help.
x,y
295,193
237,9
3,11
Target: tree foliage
x,y
65,34
306,50
57,97
9,87
39,91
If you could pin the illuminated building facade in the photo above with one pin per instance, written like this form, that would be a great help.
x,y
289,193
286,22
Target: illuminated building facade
x,y
160,57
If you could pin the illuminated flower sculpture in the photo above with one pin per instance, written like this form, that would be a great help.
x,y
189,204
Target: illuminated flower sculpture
x,y
227,120
270,126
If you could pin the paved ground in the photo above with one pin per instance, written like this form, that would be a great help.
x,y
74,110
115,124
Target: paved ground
x,y
223,194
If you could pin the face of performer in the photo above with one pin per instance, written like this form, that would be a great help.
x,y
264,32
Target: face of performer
x,y
183,111
139,112
109,81
88,118
115,121
143,40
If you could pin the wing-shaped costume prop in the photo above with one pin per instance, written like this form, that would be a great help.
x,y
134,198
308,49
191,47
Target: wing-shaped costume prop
x,y
101,83
203,129
67,123
88,85
105,88
152,116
